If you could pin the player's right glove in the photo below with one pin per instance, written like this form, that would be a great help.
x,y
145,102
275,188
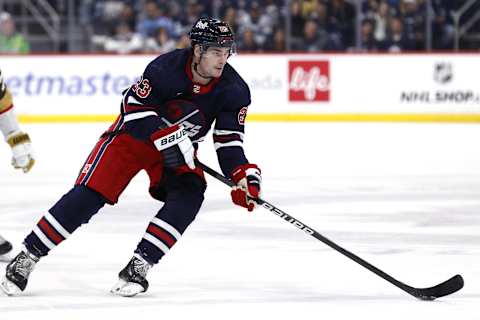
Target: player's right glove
x,y
176,147
22,152
247,178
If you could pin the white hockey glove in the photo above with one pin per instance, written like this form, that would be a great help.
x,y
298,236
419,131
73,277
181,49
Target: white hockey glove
x,y
176,147
247,178
22,152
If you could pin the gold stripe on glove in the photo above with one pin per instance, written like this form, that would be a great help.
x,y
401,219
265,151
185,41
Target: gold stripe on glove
x,y
18,139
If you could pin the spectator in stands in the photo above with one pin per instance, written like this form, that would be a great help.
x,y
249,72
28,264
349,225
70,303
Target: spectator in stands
x,y
335,21
155,17
341,25
367,39
183,42
314,40
247,41
381,17
123,41
103,15
10,40
297,20
230,17
320,14
335,40
308,7
394,3
396,40
258,22
128,16
412,14
193,11
443,30
242,11
369,7
272,10
161,43
276,42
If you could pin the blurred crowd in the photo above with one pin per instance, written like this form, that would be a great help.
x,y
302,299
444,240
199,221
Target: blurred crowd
x,y
157,26
394,25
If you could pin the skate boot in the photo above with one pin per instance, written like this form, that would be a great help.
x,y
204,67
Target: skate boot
x,y
5,249
18,270
132,279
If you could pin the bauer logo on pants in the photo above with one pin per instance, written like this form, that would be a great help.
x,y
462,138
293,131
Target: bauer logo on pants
x,y
309,81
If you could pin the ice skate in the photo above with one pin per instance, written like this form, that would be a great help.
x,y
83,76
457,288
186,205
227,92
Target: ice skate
x,y
16,277
132,279
5,250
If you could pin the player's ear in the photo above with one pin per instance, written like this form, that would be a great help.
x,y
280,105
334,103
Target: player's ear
x,y
197,50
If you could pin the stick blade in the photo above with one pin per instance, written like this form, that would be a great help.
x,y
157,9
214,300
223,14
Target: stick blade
x,y
445,288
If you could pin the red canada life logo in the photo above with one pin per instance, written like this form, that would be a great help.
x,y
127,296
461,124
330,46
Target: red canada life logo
x,y
309,80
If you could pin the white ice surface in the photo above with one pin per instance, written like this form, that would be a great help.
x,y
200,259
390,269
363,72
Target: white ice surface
x,y
405,197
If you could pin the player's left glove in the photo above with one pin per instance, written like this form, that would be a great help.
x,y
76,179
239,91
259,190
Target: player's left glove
x,y
22,152
247,178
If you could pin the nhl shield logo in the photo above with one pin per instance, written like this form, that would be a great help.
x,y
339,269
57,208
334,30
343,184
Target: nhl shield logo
x,y
443,72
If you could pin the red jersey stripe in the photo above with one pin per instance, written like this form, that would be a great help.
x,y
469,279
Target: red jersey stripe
x,y
161,234
50,231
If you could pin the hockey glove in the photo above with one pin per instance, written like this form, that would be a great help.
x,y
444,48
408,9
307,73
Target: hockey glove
x,y
176,147
22,152
247,178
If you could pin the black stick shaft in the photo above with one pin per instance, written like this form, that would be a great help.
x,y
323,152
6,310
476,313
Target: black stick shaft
x,y
310,231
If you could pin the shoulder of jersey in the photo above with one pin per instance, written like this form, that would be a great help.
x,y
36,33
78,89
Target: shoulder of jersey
x,y
171,60
233,80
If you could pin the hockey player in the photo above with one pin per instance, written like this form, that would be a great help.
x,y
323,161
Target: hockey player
x,y
163,118
22,155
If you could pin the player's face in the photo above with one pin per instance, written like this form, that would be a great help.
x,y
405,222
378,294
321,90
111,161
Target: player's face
x,y
214,60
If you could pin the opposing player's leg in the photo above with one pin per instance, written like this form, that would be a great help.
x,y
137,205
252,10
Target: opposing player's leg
x,y
5,249
183,198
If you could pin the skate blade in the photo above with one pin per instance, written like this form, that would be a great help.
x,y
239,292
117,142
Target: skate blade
x,y
126,289
9,288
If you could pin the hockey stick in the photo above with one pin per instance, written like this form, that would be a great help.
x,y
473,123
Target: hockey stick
x,y
440,290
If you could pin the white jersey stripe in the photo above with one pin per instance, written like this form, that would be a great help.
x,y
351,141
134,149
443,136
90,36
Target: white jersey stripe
x,y
162,224
139,115
219,145
43,238
132,99
58,227
157,243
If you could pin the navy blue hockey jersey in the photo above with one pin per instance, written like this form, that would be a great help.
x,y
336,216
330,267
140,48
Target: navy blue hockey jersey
x,y
165,95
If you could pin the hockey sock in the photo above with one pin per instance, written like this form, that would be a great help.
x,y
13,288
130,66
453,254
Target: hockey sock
x,y
75,208
168,225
